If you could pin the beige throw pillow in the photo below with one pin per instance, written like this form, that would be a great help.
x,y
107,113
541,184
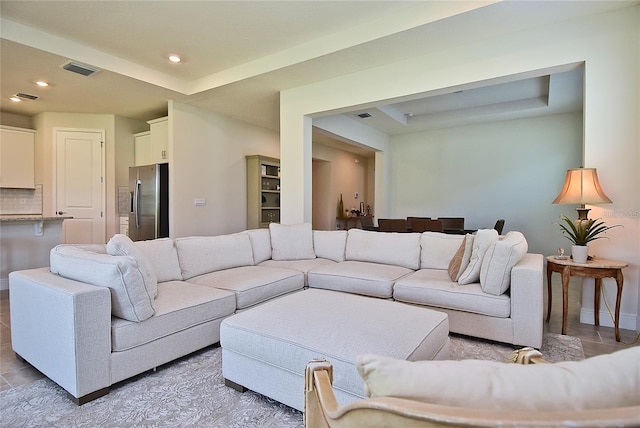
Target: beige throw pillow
x,y
604,381
456,261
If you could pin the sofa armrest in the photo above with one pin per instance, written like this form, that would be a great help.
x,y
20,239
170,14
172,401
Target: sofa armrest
x,y
63,328
526,292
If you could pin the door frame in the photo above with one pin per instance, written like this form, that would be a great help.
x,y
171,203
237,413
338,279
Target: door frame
x,y
103,184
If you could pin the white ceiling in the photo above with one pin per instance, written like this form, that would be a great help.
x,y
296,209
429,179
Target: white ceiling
x,y
238,55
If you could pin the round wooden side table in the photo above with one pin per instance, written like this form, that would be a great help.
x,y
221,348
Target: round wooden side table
x,y
597,269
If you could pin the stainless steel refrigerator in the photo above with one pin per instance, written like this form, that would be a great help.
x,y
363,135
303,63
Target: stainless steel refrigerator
x,y
149,190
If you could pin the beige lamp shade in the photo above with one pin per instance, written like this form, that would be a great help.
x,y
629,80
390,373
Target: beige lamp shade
x,y
581,186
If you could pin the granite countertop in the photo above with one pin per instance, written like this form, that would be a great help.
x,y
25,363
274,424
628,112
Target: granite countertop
x,y
30,217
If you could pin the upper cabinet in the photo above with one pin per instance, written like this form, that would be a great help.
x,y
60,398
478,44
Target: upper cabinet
x,y
152,146
17,157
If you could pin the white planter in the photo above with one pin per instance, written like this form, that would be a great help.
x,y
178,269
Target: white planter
x,y
579,253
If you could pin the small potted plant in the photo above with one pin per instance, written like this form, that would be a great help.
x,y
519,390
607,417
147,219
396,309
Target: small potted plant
x,y
580,233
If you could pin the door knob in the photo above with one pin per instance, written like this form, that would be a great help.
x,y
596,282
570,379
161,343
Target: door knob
x,y
60,212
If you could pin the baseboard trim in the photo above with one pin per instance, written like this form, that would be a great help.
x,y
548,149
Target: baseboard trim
x,y
627,322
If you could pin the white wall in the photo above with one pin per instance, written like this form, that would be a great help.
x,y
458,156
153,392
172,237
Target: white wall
x,y
340,175
207,160
607,44
510,169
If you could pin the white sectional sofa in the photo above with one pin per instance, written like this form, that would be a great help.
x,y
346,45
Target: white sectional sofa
x,y
101,314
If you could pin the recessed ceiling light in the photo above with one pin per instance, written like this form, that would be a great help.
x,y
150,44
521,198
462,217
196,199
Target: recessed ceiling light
x,y
15,99
42,83
174,58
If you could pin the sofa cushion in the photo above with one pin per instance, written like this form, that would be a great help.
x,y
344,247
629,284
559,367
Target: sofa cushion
x,y
260,243
163,256
303,266
330,244
253,284
437,249
122,245
179,306
121,274
495,272
400,249
482,241
433,287
291,241
368,279
604,381
203,254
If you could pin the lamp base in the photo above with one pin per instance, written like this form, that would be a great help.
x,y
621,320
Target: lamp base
x,y
583,213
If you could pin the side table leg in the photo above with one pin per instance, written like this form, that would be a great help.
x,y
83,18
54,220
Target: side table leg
x,y
549,272
596,302
619,283
565,298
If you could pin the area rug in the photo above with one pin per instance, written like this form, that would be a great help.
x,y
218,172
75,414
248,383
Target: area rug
x,y
191,392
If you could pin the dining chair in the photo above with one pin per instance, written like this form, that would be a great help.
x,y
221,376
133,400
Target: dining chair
x,y
452,223
426,225
499,226
392,224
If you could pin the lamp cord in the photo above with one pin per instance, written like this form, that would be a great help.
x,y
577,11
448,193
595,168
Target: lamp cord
x,y
604,297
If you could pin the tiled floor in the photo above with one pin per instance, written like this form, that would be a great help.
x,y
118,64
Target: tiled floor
x,y
595,340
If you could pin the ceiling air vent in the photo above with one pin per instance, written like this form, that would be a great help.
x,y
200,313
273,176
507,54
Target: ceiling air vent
x,y
78,68
24,96
364,115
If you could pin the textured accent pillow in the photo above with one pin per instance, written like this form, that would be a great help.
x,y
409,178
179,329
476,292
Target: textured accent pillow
x,y
291,241
163,256
121,274
122,245
483,240
205,254
466,257
456,261
604,381
495,272
330,244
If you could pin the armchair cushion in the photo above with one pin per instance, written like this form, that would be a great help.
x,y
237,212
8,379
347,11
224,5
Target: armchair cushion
x,y
604,381
204,254
330,244
163,256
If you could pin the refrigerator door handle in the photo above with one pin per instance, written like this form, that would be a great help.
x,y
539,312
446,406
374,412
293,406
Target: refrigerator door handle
x,y
136,199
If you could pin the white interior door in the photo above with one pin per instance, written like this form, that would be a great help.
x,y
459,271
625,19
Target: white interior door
x,y
80,185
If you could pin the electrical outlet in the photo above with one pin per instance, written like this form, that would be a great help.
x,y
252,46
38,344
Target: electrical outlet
x,y
356,195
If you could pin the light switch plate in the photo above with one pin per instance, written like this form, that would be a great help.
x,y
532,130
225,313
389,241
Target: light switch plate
x,y
199,202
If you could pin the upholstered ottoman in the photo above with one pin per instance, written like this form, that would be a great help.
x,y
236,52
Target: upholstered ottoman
x,y
266,348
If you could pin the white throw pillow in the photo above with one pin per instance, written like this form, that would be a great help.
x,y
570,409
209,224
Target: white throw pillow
x,y
122,245
260,243
481,243
495,272
604,381
291,241
163,256
205,254
330,244
121,274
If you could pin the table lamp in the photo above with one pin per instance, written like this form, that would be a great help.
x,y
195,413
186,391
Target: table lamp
x,y
581,186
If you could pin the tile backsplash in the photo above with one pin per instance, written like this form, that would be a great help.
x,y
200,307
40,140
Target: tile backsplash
x,y
21,201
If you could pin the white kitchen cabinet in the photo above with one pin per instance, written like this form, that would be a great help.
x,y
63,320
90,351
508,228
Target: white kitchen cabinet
x,y
152,146
17,157
142,148
159,139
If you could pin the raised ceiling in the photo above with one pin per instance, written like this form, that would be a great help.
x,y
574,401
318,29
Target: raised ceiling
x,y
238,55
